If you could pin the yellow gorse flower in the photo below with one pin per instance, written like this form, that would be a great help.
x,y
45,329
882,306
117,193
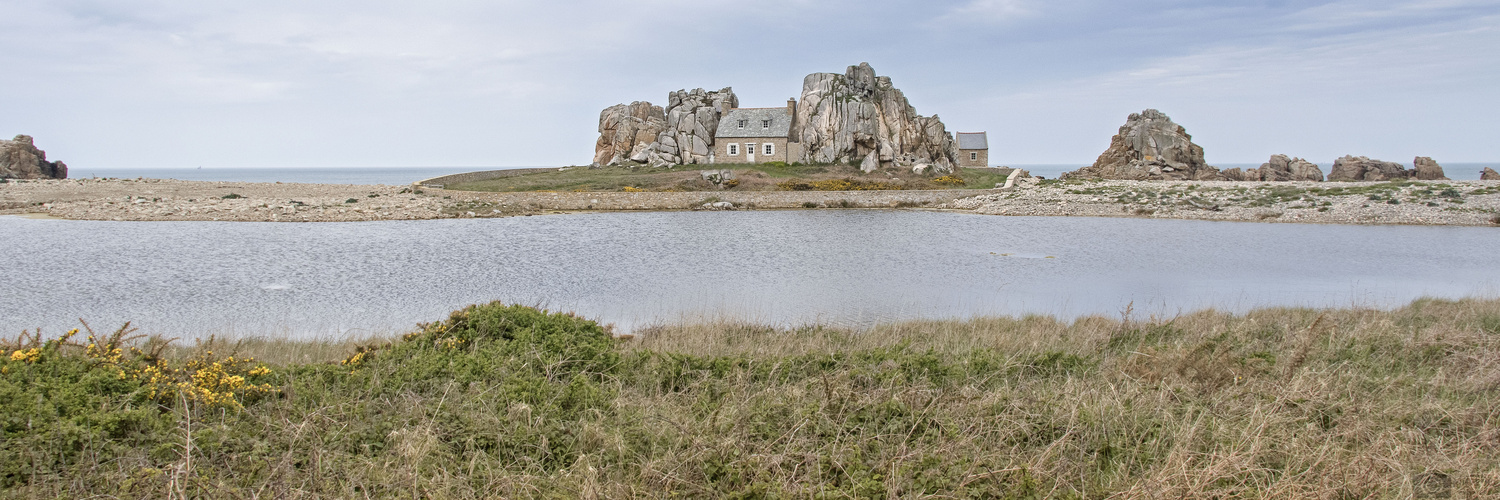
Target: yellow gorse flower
x,y
28,355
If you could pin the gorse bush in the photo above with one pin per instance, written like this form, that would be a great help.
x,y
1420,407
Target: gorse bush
x,y
62,400
508,401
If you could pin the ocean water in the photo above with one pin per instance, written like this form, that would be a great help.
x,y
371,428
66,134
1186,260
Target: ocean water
x,y
841,267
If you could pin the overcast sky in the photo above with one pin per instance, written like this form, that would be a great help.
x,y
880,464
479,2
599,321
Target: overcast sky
x,y
275,83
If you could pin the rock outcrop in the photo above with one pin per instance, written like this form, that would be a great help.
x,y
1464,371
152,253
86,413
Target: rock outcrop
x,y
1279,168
20,159
1427,170
626,131
1150,146
681,134
860,117
1489,174
692,119
1359,168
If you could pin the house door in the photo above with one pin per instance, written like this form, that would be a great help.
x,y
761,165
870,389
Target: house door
x,y
749,153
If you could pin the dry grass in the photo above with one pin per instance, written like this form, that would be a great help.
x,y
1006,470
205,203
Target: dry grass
x,y
1276,403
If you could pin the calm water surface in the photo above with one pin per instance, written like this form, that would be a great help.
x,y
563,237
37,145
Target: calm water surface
x,y
835,266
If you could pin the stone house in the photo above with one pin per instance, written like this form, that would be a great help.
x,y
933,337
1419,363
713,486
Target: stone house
x,y
758,135
973,149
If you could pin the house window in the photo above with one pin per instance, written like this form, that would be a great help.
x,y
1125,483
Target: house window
x,y
765,124
770,149
973,155
742,123
750,148
734,149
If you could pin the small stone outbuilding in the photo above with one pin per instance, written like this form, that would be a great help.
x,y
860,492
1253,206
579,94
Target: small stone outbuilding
x,y
973,149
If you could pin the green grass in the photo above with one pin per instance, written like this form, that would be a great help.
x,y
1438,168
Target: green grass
x,y
508,401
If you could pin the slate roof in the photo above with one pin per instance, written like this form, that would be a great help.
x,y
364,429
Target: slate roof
x,y
781,123
973,140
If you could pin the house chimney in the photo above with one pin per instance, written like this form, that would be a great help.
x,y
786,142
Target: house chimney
x,y
794,133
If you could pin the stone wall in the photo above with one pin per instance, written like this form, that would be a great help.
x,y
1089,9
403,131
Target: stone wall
x,y
982,161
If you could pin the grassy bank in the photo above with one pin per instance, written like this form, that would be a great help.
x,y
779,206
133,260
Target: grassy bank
x,y
509,401
748,177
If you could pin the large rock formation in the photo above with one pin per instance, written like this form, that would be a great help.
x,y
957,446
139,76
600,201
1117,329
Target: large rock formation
x,y
1149,147
692,119
1280,168
20,159
626,130
1489,174
858,116
1359,168
1427,170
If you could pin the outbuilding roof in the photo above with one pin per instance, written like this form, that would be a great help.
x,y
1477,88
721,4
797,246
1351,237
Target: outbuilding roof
x,y
755,122
973,140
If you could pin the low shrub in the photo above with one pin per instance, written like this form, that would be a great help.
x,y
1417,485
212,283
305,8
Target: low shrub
x,y
231,196
949,180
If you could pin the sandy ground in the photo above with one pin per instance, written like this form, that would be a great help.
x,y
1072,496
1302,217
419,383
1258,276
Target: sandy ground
x,y
1471,203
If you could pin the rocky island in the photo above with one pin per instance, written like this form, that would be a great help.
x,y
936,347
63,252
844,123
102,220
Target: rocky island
x,y
855,117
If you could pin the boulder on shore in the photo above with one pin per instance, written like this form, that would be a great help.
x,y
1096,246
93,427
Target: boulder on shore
x,y
626,130
1489,174
1283,168
20,159
860,117
1359,168
692,120
1150,146
1427,170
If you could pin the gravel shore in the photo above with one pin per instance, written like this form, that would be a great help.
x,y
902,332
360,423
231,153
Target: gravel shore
x,y
1448,203
1471,203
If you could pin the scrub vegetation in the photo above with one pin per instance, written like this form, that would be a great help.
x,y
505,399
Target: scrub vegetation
x,y
773,176
510,401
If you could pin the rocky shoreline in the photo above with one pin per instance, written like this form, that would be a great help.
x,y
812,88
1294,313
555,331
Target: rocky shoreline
x,y
1465,203
1441,203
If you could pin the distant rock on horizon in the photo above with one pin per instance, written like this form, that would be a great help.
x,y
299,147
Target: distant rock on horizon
x,y
1349,168
1425,169
20,159
1489,174
1279,168
1150,146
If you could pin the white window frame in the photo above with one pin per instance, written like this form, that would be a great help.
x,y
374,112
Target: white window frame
x,y
742,123
734,149
974,155
770,149
749,149
765,124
